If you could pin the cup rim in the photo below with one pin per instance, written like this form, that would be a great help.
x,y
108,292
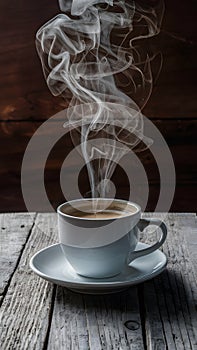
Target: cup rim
x,y
137,207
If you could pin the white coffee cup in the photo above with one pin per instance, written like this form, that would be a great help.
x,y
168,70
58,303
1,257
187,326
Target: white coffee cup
x,y
101,245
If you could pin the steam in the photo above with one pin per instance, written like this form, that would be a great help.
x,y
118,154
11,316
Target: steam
x,y
94,55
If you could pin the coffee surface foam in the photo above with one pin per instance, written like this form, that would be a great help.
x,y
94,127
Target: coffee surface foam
x,y
106,214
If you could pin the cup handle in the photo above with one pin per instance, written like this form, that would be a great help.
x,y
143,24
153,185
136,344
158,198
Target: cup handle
x,y
142,224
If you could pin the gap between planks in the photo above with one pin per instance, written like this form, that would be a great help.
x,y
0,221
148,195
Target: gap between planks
x,y
15,229
170,298
25,311
89,316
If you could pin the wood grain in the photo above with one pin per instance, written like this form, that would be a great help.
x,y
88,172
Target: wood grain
x,y
158,314
15,137
24,94
24,314
96,322
14,232
174,299
25,98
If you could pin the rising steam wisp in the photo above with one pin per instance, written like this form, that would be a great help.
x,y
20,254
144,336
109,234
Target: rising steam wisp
x,y
89,54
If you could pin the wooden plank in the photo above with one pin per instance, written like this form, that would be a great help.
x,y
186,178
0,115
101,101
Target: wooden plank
x,y
68,322
180,271
96,322
153,324
181,138
189,229
171,318
185,195
14,232
177,44
24,94
24,314
14,139
155,332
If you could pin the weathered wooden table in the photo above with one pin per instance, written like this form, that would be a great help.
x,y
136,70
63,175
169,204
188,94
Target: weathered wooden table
x,y
34,314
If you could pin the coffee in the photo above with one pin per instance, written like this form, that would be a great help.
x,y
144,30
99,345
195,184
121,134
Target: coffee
x,y
105,214
97,209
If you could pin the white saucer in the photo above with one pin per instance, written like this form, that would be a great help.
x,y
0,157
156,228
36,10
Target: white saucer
x,y
50,264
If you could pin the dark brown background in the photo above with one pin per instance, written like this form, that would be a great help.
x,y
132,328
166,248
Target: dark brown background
x,y
26,102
